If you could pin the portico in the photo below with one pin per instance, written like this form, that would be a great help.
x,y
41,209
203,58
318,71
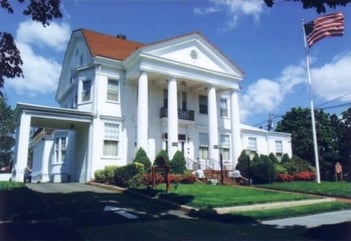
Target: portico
x,y
55,118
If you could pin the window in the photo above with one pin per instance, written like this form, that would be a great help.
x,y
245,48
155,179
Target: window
x,y
203,147
112,90
111,139
60,149
86,90
252,144
203,104
183,100
278,148
165,98
223,107
225,144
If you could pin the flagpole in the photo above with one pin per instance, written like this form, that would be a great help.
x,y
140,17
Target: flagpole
x,y
315,144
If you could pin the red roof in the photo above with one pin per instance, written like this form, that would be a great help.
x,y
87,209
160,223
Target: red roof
x,y
109,46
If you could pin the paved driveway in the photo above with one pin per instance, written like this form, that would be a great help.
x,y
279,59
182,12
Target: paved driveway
x,y
65,188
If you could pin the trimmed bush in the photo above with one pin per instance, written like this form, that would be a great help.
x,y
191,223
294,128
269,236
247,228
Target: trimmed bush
x,y
110,173
162,156
142,157
99,176
125,175
262,170
273,158
243,164
178,163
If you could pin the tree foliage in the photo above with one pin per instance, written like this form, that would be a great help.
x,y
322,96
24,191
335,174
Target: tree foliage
x,y
43,11
319,5
330,134
7,130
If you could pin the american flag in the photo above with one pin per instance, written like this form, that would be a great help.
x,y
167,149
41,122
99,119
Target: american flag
x,y
325,26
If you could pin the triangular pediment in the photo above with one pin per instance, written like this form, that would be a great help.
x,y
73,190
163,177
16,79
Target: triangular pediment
x,y
194,51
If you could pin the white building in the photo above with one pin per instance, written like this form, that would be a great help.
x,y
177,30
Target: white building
x,y
117,95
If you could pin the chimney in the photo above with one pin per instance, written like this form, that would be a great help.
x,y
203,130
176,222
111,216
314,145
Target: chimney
x,y
121,36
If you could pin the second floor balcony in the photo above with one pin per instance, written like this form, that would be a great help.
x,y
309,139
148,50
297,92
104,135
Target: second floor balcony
x,y
182,114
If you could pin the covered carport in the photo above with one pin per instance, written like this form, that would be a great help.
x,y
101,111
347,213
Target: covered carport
x,y
55,118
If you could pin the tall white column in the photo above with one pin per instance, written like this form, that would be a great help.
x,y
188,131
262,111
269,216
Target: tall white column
x,y
212,124
22,145
235,126
172,117
143,112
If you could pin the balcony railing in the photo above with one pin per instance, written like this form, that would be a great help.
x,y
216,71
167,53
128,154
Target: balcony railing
x,y
182,114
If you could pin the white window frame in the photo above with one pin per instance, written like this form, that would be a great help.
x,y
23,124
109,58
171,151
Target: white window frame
x,y
223,107
203,146
278,146
225,146
114,91
60,149
252,144
203,101
86,94
111,136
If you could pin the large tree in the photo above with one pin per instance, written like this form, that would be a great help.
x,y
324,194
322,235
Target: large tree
x,y
7,129
319,5
43,11
329,130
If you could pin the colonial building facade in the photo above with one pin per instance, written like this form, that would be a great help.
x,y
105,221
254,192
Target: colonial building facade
x,y
117,96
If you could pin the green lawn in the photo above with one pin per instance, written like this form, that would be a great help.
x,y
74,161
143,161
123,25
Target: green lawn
x,y
205,196
334,189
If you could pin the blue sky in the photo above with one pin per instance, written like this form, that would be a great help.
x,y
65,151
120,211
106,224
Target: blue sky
x,y
266,43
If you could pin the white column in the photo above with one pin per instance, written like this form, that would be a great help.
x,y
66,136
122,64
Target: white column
x,y
22,145
143,112
235,126
212,124
172,117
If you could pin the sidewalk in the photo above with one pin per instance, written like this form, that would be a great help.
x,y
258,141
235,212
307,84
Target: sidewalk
x,y
273,205
312,221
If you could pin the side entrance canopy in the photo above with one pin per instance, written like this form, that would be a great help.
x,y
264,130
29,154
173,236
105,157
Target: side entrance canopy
x,y
55,118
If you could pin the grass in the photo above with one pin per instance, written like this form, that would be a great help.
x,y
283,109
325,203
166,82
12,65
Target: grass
x,y
205,196
334,189
288,212
6,186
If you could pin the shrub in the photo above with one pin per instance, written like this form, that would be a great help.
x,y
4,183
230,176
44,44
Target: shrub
x,y
243,164
110,174
178,163
142,157
148,179
188,178
262,170
160,157
126,173
100,176
285,177
296,165
285,158
273,158
304,176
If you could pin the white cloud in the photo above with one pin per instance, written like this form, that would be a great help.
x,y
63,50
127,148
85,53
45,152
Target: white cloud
x,y
41,73
54,36
234,9
266,95
333,80
330,81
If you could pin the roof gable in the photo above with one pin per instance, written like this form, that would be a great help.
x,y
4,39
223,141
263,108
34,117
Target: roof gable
x,y
193,50
108,46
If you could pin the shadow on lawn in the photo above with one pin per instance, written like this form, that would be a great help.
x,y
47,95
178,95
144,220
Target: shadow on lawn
x,y
41,216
